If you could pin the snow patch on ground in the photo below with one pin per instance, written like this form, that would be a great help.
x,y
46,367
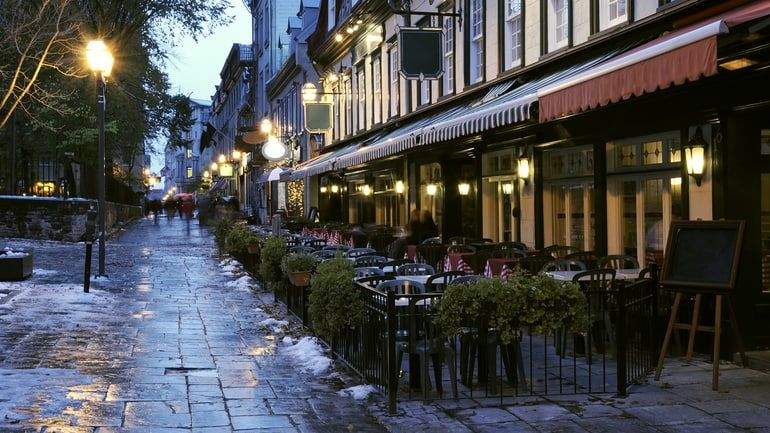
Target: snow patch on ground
x,y
309,354
243,283
43,272
275,325
12,254
99,279
358,392
38,393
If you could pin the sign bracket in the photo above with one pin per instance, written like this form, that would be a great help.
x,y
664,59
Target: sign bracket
x,y
404,8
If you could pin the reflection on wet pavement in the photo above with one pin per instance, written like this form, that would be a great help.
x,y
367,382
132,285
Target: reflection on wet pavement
x,y
162,345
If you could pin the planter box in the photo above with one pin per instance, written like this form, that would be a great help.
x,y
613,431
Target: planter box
x,y
15,268
300,279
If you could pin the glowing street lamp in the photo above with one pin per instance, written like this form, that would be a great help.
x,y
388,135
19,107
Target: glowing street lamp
x,y
266,126
274,149
100,62
309,92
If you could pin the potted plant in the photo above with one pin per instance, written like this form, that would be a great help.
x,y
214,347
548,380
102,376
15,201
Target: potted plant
x,y
298,267
273,251
334,302
253,245
15,265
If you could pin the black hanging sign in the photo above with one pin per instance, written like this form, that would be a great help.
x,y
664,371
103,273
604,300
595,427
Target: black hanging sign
x,y
420,53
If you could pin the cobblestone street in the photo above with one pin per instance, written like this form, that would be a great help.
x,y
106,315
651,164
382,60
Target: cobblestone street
x,y
178,339
163,345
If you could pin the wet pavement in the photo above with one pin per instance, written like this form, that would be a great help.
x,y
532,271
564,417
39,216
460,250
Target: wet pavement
x,y
178,339
172,341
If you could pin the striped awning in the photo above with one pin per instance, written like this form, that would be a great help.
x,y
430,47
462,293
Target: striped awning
x,y
321,163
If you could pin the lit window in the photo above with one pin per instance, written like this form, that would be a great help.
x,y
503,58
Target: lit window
x,y
189,172
449,55
394,80
513,27
377,89
477,41
189,153
361,88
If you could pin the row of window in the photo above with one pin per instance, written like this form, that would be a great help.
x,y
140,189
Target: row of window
x,y
368,75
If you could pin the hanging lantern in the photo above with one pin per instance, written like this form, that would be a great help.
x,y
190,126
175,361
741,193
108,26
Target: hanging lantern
x,y
274,149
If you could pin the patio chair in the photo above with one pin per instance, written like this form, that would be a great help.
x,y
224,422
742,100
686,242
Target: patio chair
x,y
370,260
316,243
619,262
560,251
394,265
324,254
458,240
302,249
380,241
565,265
415,269
466,279
534,263
292,242
358,252
597,285
587,257
508,250
401,287
374,280
432,241
438,282
459,248
368,271
432,254
343,248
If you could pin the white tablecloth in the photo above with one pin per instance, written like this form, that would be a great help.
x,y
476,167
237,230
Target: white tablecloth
x,y
422,279
620,274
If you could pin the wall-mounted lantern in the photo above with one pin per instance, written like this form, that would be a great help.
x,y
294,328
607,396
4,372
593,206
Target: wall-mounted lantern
x,y
464,188
431,189
695,156
399,187
508,188
522,168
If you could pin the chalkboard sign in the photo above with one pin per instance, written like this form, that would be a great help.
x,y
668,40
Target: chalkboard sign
x,y
702,256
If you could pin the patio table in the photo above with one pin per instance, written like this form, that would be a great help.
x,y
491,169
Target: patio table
x,y
423,279
620,274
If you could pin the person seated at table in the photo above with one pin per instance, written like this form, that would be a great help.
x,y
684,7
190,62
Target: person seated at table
x,y
414,230
428,227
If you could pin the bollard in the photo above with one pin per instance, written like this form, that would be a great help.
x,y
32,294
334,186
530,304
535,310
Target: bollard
x,y
87,267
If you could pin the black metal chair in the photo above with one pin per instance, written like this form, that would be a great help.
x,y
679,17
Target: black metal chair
x,y
460,248
401,287
374,280
368,271
370,260
588,257
438,282
394,265
415,269
458,240
560,251
565,265
316,243
324,254
466,279
302,249
597,284
432,241
358,252
343,248
534,263
432,254
619,261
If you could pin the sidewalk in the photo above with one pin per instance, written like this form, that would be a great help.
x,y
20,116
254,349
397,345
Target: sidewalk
x,y
173,341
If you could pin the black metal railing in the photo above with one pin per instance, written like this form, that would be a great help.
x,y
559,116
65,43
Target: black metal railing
x,y
398,348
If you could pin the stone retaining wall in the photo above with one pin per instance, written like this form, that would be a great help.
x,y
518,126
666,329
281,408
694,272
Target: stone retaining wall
x,y
55,218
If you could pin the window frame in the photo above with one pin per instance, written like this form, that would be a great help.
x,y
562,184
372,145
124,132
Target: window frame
x,y
505,34
394,82
360,97
448,79
376,64
476,61
545,27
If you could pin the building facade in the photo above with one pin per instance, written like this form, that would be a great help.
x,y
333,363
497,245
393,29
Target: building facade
x,y
183,168
586,123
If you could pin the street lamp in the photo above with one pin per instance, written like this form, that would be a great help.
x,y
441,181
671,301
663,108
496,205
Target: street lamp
x,y
274,149
266,126
100,61
309,92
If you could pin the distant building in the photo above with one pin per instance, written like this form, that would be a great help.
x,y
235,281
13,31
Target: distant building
x,y
184,167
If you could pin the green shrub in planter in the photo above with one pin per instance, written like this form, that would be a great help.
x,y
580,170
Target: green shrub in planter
x,y
239,238
273,252
549,305
221,229
298,268
334,302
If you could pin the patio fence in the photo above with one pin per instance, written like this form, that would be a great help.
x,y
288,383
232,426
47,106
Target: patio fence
x,y
388,348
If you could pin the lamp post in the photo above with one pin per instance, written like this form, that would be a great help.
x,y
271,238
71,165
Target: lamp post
x,y
100,61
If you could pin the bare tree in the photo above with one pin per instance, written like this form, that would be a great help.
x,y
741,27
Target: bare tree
x,y
37,36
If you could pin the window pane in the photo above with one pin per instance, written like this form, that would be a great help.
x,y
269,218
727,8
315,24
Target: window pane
x,y
652,152
577,220
627,155
677,207
628,209
592,222
653,220
765,142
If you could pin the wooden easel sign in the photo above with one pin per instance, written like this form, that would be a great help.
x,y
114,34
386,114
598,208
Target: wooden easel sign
x,y
702,260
